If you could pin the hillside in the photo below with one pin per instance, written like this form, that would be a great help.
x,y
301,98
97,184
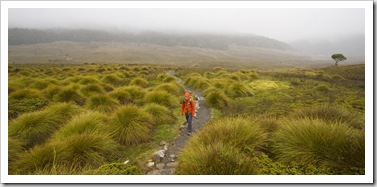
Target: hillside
x,y
18,36
236,57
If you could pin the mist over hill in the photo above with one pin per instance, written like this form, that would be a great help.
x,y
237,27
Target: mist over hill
x,y
351,46
18,36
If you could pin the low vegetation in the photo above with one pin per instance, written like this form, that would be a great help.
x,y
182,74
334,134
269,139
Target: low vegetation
x,y
281,122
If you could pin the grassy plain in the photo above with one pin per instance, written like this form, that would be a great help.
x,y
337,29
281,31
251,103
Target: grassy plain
x,y
78,108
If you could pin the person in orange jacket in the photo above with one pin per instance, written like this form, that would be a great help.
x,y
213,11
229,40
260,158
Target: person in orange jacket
x,y
188,108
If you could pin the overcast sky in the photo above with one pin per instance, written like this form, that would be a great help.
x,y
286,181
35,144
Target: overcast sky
x,y
281,24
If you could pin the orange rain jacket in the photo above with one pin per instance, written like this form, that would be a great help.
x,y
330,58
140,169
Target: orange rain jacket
x,y
188,106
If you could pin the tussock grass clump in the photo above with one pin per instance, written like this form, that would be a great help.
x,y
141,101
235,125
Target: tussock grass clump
x,y
316,142
331,114
40,84
88,122
131,125
88,80
122,95
74,154
15,147
169,79
160,114
70,95
51,91
139,82
162,98
115,169
36,127
18,107
216,99
27,93
87,149
222,147
102,103
91,89
172,88
112,79
136,92
238,89
214,159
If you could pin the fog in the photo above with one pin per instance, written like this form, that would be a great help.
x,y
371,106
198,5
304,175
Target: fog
x,y
287,25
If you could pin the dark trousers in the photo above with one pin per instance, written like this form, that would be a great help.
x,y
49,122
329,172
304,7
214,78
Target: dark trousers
x,y
189,121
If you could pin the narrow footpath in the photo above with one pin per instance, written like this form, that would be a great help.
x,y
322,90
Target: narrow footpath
x,y
170,159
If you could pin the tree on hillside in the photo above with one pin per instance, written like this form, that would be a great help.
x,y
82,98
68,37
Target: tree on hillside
x,y
338,58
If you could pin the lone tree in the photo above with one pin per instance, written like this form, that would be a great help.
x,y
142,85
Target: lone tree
x,y
338,58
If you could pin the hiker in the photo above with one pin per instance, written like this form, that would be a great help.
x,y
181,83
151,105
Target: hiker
x,y
188,108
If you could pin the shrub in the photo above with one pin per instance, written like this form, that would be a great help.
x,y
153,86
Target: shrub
x,y
115,169
131,125
162,98
160,114
70,95
316,142
172,88
139,82
26,93
331,114
238,89
36,127
216,99
102,103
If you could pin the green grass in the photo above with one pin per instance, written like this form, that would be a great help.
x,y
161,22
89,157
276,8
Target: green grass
x,y
238,89
70,95
131,125
26,93
36,127
222,148
121,95
332,114
216,99
160,114
172,88
102,103
316,142
139,82
91,89
162,98
69,156
88,122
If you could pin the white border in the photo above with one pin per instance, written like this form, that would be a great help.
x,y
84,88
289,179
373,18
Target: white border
x,y
368,178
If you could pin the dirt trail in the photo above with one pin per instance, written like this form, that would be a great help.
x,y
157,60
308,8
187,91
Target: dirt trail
x,y
168,166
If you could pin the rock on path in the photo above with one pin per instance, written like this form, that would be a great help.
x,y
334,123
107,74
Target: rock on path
x,y
167,165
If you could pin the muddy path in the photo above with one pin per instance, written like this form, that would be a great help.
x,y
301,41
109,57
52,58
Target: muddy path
x,y
170,160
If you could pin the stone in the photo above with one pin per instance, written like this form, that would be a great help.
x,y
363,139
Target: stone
x,y
172,164
172,156
154,172
126,162
161,153
150,164
163,142
160,166
166,147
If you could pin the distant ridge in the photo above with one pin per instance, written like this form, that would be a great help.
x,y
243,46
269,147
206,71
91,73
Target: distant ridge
x,y
20,36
